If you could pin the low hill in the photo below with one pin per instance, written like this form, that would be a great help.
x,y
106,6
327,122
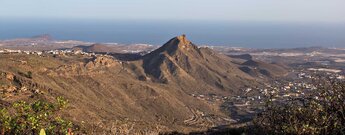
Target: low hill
x,y
242,56
44,37
259,68
115,48
98,48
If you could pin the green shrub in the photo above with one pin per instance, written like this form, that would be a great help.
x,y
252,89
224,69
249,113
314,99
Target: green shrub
x,y
29,74
30,118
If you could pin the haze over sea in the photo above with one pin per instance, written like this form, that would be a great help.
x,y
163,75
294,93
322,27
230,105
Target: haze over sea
x,y
236,34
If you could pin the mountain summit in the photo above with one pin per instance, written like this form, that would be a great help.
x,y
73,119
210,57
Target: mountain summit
x,y
175,44
174,56
183,39
182,62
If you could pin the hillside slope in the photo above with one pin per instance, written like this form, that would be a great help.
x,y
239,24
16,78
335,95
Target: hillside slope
x,y
180,61
154,93
259,68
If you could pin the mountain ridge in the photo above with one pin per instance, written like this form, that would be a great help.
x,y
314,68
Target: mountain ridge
x,y
159,85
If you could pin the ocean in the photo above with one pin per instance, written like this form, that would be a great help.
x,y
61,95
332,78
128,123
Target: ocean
x,y
236,34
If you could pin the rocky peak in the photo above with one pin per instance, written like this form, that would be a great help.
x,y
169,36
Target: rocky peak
x,y
102,61
174,44
183,40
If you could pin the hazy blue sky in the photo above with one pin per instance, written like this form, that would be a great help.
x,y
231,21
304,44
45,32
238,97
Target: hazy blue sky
x,y
212,10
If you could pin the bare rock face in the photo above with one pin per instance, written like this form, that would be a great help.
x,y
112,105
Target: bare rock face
x,y
102,61
9,76
105,61
11,88
14,86
97,65
183,40
90,65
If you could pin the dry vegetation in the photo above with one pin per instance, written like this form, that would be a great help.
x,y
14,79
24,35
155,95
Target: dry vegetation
x,y
310,115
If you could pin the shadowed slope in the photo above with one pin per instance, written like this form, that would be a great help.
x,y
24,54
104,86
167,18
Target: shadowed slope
x,y
179,60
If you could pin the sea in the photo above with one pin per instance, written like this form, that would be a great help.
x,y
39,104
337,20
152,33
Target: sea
x,y
235,34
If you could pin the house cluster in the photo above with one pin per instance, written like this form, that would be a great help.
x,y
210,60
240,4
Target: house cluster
x,y
55,52
302,75
9,51
329,73
210,98
304,85
253,99
69,52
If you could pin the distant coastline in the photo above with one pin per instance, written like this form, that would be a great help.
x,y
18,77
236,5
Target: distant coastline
x,y
250,35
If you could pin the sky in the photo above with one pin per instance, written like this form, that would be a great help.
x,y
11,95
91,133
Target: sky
x,y
247,23
323,11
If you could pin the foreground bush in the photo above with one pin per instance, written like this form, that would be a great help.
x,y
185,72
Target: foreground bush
x,y
30,118
322,112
